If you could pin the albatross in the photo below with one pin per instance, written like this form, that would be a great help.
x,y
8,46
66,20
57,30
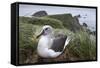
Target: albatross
x,y
50,46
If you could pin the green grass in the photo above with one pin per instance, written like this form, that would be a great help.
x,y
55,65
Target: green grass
x,y
82,47
42,21
26,43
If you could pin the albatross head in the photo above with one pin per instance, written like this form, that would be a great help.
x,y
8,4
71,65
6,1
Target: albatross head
x,y
46,30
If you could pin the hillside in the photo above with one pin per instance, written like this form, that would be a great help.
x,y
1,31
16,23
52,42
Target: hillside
x,y
41,21
56,21
68,21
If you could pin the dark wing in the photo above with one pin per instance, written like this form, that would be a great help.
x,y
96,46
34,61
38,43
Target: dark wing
x,y
58,43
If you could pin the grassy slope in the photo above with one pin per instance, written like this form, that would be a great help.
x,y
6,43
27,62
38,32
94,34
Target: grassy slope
x,y
56,21
67,20
42,21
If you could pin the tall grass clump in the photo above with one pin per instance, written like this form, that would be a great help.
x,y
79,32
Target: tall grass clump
x,y
27,43
82,47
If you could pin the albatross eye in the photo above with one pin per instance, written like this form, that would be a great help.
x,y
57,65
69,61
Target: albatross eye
x,y
46,29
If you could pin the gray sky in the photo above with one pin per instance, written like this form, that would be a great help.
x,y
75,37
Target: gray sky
x,y
88,14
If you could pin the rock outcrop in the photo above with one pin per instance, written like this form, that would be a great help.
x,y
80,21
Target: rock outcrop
x,y
40,14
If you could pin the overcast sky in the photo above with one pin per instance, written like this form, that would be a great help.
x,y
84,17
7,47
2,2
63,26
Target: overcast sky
x,y
88,15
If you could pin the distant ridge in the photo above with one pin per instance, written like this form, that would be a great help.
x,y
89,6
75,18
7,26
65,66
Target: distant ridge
x,y
40,14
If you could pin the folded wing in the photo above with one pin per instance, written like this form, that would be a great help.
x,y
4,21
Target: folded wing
x,y
58,43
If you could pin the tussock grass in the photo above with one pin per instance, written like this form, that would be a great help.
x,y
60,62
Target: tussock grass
x,y
83,47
